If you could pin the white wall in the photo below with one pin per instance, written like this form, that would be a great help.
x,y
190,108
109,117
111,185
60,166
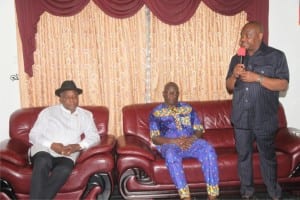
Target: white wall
x,y
284,34
9,100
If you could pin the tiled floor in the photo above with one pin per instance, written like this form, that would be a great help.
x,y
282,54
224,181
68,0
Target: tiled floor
x,y
259,196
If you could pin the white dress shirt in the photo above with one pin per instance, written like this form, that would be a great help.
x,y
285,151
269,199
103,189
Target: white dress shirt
x,y
55,124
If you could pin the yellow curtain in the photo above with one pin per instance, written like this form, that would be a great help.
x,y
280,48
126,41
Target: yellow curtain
x,y
124,61
195,55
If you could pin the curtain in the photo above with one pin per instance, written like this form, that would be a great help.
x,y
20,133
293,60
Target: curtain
x,y
173,12
125,61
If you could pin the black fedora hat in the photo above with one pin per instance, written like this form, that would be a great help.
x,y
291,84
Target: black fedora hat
x,y
67,85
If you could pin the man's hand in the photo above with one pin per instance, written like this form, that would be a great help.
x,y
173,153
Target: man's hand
x,y
57,147
230,82
71,148
185,142
248,76
238,69
65,150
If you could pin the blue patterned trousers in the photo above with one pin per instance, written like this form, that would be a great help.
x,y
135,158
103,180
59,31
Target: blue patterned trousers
x,y
203,152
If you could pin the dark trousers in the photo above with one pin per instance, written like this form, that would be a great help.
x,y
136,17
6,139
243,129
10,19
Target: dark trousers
x,y
267,156
49,174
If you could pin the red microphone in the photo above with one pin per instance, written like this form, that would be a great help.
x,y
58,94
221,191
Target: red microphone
x,y
242,53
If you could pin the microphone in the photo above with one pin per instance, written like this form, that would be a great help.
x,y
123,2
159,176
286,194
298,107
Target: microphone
x,y
242,53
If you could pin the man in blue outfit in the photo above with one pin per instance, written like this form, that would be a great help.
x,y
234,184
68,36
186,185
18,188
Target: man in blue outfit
x,y
255,85
176,131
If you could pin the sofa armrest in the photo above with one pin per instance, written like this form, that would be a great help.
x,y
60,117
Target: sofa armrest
x,y
14,151
106,145
132,145
287,140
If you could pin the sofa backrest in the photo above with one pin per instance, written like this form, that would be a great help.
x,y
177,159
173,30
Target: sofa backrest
x,y
22,120
215,117
214,114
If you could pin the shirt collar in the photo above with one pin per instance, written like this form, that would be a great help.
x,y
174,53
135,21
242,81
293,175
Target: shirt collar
x,y
262,48
68,111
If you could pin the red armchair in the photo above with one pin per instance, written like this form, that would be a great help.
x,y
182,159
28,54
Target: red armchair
x,y
142,172
91,178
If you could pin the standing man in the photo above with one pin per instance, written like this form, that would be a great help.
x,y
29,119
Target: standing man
x,y
56,139
176,131
255,85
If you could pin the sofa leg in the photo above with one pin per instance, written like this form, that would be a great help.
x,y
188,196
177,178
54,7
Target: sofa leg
x,y
7,189
102,180
142,178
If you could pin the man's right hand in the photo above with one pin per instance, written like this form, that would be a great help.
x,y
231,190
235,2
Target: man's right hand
x,y
185,142
230,82
238,69
65,150
57,147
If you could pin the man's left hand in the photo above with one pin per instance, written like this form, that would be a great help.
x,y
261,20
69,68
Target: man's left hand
x,y
249,76
186,142
71,148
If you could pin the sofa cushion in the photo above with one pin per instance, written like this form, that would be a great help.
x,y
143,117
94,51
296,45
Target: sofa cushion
x,y
214,114
227,163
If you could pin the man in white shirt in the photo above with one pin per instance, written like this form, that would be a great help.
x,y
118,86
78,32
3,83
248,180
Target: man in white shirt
x,y
56,139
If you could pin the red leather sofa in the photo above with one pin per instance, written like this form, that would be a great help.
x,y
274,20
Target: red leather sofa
x,y
142,172
91,178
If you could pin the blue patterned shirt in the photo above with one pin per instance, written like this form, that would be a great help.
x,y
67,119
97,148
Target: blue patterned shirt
x,y
173,123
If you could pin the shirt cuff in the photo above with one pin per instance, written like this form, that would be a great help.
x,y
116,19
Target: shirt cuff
x,y
83,145
47,144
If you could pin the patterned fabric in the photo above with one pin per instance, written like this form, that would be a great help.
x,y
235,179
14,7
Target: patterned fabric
x,y
212,190
184,192
172,123
182,121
